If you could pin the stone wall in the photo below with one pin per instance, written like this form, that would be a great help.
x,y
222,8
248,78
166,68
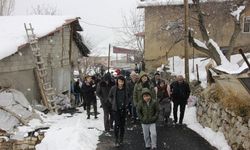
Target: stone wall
x,y
236,128
27,143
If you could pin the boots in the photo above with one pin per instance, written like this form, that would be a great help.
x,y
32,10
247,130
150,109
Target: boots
x,y
121,141
117,144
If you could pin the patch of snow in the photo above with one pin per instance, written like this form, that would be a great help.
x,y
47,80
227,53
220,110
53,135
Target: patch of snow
x,y
176,65
80,133
237,12
200,44
217,139
226,66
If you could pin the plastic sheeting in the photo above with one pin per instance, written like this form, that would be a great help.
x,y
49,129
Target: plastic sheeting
x,y
16,102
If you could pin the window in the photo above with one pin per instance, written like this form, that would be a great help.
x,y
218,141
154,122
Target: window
x,y
246,27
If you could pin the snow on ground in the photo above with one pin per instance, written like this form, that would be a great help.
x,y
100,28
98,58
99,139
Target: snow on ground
x,y
176,65
77,133
72,132
216,139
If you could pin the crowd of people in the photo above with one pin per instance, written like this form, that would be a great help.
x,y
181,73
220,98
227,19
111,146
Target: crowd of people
x,y
135,96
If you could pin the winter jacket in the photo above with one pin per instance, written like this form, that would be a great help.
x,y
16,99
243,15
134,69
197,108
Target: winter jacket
x,y
77,88
89,92
147,113
102,91
138,89
131,86
180,91
162,92
112,98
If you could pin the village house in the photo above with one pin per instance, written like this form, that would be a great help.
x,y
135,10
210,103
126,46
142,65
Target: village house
x,y
60,44
164,24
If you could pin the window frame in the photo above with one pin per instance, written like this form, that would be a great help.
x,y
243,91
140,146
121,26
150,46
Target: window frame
x,y
247,18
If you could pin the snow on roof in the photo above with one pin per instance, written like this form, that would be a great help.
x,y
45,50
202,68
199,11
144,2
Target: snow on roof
x,y
147,3
13,33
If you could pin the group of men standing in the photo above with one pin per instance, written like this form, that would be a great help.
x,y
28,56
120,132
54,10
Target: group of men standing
x,y
139,97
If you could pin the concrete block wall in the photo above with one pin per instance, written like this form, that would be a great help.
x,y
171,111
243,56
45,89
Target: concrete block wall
x,y
18,67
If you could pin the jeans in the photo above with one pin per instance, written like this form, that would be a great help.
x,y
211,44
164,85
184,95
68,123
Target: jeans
x,y
150,135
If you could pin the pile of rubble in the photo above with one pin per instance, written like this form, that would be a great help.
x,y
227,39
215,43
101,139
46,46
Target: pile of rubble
x,y
27,143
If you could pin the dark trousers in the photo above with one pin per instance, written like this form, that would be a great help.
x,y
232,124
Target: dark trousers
x,y
83,101
77,99
88,104
119,117
108,117
182,111
134,112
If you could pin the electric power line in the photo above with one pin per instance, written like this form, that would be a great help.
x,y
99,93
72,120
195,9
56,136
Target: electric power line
x,y
104,26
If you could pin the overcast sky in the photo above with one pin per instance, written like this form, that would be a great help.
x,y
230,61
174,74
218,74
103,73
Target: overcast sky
x,y
100,12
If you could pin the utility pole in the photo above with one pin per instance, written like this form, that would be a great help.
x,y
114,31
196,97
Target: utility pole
x,y
186,41
109,57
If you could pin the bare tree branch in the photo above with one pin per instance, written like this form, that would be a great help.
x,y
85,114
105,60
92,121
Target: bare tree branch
x,y
6,7
236,32
133,24
44,10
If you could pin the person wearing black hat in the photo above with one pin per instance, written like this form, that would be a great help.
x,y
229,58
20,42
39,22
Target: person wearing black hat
x,y
118,97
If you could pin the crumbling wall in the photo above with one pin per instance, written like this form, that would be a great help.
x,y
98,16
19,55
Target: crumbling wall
x,y
28,143
233,122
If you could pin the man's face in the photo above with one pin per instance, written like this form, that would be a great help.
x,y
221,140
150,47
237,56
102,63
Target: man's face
x,y
144,79
180,79
146,97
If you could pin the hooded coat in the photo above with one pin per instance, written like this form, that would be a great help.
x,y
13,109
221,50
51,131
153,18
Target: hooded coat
x,y
147,112
138,89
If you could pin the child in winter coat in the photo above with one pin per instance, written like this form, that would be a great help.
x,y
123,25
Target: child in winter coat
x,y
148,111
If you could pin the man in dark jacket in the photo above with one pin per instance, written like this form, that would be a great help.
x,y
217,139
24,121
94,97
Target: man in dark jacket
x,y
118,97
102,91
148,111
179,91
88,89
